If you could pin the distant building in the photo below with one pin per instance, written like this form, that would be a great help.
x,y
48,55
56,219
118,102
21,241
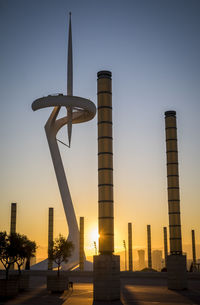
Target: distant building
x,y
141,259
157,260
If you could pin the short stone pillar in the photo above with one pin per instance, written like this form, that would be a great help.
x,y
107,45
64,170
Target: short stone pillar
x,y
106,277
176,272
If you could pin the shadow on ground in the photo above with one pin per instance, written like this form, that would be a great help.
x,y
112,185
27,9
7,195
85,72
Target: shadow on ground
x,y
128,297
152,292
39,295
190,295
41,298
107,303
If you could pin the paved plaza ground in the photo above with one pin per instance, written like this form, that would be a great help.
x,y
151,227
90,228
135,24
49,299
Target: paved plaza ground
x,y
134,291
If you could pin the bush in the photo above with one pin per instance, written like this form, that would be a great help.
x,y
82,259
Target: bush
x,y
61,250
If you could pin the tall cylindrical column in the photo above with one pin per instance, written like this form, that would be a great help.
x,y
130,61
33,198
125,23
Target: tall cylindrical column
x,y
176,261
50,238
173,183
130,251
81,249
193,248
13,218
105,163
106,266
165,244
149,246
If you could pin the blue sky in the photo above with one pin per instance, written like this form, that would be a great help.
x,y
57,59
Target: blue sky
x,y
153,50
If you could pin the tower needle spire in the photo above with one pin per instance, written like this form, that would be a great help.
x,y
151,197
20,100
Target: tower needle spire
x,y
69,80
70,61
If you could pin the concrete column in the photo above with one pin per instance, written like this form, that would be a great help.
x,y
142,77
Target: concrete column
x,y
13,218
81,249
173,183
149,246
105,163
106,265
165,245
193,249
50,237
176,265
130,250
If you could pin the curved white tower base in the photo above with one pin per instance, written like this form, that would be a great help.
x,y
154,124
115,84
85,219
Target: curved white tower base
x,y
52,126
82,110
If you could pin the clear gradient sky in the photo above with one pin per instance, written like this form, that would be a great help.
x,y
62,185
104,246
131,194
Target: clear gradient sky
x,y
152,48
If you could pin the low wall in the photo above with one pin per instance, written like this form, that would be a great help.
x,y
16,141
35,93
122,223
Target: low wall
x,y
89,274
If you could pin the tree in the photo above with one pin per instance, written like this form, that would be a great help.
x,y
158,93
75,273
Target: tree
x,y
25,249
30,249
61,250
7,251
15,248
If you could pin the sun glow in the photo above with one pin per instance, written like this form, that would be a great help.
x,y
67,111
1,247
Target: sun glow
x,y
94,235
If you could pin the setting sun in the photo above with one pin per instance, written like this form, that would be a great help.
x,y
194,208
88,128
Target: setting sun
x,y
94,235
